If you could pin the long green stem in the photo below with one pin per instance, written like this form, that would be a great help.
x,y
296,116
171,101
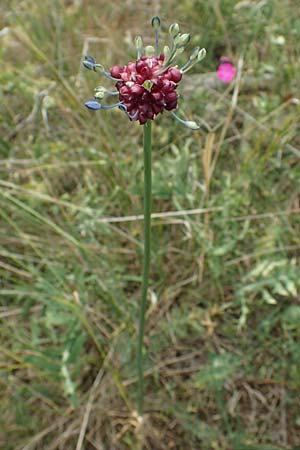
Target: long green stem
x,y
147,250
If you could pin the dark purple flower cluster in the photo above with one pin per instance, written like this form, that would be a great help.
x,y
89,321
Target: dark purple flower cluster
x,y
143,90
146,87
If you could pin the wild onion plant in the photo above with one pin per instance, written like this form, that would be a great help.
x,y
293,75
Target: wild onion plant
x,y
145,88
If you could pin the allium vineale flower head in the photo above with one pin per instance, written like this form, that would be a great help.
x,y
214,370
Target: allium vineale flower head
x,y
148,86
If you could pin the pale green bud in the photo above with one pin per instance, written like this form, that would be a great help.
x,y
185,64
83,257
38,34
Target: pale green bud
x,y
149,51
201,54
182,40
100,92
174,29
139,44
155,22
88,65
166,52
194,54
192,125
187,123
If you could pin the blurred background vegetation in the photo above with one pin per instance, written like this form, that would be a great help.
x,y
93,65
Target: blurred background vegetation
x,y
223,346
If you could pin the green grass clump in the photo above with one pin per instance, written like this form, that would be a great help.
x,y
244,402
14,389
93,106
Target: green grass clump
x,y
222,338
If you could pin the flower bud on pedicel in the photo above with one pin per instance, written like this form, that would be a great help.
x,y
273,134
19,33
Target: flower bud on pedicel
x,y
201,54
182,40
149,51
155,22
174,29
92,104
139,46
89,62
148,86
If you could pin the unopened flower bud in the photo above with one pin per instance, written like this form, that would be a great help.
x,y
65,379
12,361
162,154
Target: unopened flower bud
x,y
138,41
155,22
201,54
187,123
192,125
139,44
149,51
174,29
166,52
182,40
92,104
194,54
89,62
100,92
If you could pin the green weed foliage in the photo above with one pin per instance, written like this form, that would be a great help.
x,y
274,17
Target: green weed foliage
x,y
222,338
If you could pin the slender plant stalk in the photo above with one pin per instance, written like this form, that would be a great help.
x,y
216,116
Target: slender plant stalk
x,y
147,251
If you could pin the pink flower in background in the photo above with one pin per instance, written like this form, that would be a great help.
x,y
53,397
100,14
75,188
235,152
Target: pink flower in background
x,y
226,70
